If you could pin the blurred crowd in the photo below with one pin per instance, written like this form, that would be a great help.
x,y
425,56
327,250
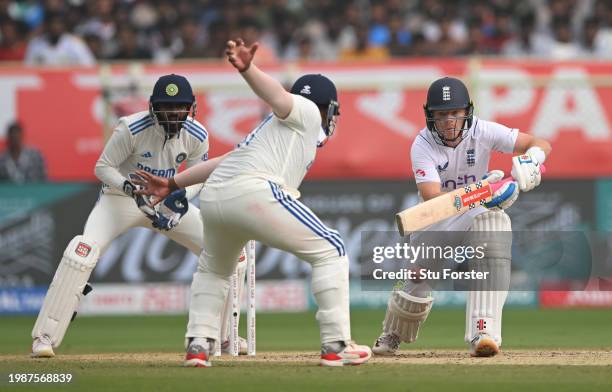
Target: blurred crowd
x,y
73,32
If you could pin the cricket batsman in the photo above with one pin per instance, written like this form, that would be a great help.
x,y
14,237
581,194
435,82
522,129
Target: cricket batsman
x,y
253,195
451,151
156,141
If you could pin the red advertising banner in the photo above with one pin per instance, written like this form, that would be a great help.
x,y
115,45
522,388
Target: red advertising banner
x,y
65,112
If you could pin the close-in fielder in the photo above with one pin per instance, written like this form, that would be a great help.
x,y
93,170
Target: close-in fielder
x,y
252,195
451,151
156,141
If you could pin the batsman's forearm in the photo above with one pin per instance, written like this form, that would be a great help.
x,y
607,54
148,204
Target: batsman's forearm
x,y
197,174
270,90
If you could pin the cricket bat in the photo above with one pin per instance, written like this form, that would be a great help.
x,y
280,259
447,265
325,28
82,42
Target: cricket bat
x,y
449,204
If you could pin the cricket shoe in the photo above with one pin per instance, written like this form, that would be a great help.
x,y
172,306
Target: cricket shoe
x,y
386,344
340,354
225,346
42,347
199,352
483,345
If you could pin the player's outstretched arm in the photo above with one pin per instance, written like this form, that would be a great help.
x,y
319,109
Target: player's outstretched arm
x,y
159,187
266,87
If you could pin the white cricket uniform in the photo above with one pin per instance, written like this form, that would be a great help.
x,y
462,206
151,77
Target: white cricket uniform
x,y
452,167
462,165
251,195
138,143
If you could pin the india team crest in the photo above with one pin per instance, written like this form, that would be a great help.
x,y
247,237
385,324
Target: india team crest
x,y
181,157
172,89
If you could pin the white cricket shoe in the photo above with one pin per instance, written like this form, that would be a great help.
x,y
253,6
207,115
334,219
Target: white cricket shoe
x,y
244,347
199,353
42,348
483,345
386,344
340,354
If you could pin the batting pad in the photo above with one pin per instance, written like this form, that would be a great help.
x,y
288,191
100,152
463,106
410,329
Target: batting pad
x,y
66,289
405,315
486,299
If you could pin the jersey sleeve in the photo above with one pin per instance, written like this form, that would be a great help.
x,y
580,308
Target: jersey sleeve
x,y
423,165
498,137
304,114
117,150
199,154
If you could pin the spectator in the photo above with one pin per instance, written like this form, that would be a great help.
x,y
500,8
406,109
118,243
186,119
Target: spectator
x,y
310,30
191,39
20,163
564,47
595,41
166,44
400,37
128,47
101,21
526,41
58,47
448,43
12,44
363,50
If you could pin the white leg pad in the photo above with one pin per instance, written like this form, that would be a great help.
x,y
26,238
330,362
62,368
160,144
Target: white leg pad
x,y
486,300
405,315
66,289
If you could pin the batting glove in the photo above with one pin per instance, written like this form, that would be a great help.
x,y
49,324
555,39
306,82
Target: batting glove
x,y
526,168
503,197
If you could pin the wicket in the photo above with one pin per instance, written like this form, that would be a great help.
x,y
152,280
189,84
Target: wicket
x,y
236,280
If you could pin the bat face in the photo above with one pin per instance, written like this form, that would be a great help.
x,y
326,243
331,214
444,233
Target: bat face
x,y
444,206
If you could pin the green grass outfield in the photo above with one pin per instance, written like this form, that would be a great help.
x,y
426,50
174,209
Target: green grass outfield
x,y
560,350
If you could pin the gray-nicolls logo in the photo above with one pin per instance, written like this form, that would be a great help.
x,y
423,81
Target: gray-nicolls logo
x,y
305,90
446,93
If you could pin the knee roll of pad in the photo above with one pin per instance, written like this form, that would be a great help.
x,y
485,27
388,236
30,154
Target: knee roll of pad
x,y
406,314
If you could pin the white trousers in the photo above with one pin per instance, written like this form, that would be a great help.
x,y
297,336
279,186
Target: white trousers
x,y
248,208
115,214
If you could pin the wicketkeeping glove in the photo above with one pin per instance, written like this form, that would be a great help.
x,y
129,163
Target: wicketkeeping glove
x,y
141,201
174,207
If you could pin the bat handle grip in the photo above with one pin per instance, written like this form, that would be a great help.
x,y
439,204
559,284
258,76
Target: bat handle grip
x,y
495,186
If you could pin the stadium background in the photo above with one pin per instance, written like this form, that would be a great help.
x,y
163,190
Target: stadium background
x,y
553,86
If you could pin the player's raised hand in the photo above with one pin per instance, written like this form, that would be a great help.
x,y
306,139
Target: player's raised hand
x,y
156,187
239,54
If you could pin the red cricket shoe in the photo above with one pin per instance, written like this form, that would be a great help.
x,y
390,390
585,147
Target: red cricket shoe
x,y
198,354
340,354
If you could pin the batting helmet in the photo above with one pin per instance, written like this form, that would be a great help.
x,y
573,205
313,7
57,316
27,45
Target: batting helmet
x,y
448,94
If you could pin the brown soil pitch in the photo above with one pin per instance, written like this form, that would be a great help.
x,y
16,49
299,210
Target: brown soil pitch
x,y
413,357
